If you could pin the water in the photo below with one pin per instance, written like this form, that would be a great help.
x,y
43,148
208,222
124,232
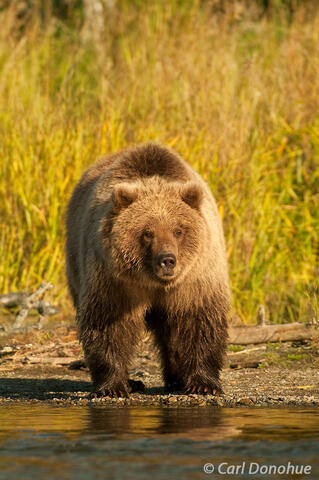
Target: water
x,y
47,442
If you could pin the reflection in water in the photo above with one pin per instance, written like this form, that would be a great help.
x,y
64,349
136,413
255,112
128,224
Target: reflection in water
x,y
186,422
143,442
194,424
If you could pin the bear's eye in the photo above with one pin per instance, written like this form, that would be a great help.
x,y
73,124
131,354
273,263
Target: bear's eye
x,y
148,235
178,232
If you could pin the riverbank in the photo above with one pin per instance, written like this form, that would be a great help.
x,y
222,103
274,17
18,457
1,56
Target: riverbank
x,y
35,368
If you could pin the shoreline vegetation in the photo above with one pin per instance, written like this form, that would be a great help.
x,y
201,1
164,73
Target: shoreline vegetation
x,y
235,91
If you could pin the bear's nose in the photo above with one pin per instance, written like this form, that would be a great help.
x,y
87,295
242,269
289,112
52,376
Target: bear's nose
x,y
166,261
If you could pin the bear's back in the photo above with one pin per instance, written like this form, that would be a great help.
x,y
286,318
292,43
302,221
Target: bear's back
x,y
138,163
150,160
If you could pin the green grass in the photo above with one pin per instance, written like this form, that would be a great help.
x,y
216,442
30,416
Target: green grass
x,y
293,357
235,348
237,97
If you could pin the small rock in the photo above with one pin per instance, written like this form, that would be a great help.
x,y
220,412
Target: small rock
x,y
172,399
244,401
6,350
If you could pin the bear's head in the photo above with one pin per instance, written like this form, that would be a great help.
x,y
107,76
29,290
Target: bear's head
x,y
157,230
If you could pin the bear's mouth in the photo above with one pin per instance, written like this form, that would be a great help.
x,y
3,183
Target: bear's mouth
x,y
165,277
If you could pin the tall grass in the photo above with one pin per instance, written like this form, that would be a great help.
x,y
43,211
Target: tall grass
x,y
237,97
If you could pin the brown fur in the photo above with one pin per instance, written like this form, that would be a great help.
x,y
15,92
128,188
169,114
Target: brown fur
x,y
145,247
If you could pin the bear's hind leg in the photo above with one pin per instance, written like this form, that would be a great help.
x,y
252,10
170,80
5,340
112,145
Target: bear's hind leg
x,y
156,320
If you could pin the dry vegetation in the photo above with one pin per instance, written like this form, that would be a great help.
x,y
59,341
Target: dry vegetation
x,y
236,93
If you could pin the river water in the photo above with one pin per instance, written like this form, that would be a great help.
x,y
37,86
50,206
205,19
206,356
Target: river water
x,y
84,442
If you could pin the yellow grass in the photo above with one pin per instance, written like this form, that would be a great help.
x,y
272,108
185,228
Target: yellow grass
x,y
237,97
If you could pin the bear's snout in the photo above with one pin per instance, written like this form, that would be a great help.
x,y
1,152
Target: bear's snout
x,y
165,264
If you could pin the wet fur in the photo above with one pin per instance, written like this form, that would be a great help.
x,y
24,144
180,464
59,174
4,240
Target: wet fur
x,y
110,278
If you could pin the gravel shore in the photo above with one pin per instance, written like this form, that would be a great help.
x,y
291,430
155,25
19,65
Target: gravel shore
x,y
35,368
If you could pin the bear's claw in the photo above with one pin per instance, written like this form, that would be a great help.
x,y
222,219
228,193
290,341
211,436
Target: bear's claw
x,y
122,390
203,390
114,392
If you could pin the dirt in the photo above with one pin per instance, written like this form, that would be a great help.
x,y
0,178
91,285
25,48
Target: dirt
x,y
35,367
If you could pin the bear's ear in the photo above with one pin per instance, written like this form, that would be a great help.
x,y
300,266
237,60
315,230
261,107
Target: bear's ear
x,y
192,195
122,196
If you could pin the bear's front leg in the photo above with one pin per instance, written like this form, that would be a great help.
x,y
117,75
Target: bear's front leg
x,y
193,347
205,338
108,337
108,368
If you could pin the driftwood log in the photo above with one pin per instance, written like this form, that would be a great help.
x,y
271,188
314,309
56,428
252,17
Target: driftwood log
x,y
13,299
28,302
18,299
263,333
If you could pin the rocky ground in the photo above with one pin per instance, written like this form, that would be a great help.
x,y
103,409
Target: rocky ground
x,y
35,367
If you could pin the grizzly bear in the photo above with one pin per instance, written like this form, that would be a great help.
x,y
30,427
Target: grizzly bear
x,y
145,248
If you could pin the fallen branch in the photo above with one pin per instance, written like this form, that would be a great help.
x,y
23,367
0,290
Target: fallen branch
x,y
30,303
19,299
46,360
13,299
248,350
